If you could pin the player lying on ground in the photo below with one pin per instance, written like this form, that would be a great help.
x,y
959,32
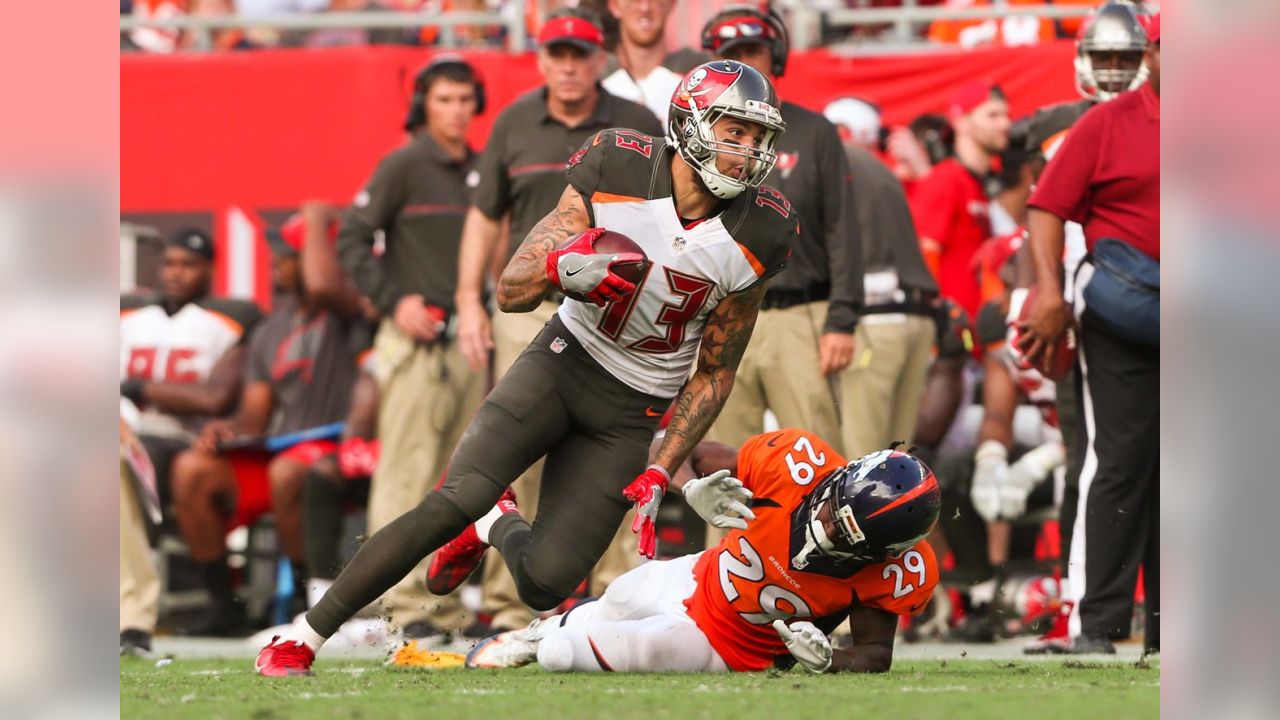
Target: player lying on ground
x,y
589,390
829,540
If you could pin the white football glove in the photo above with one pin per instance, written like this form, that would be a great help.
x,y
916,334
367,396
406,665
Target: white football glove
x,y
807,644
720,500
1024,475
990,472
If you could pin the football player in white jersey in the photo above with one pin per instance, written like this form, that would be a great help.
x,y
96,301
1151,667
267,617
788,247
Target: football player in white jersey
x,y
588,392
181,363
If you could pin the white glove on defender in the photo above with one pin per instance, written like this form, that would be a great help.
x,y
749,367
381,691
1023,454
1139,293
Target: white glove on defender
x,y
807,644
1024,475
990,473
717,495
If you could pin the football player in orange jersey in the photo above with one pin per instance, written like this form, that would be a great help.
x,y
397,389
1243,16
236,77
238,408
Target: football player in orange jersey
x,y
827,539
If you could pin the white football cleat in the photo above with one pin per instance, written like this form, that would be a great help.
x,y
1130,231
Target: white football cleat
x,y
511,649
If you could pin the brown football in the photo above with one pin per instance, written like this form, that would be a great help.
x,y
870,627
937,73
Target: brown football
x,y
1063,357
615,242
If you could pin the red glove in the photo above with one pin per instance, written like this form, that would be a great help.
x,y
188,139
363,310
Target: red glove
x,y
358,457
581,272
646,492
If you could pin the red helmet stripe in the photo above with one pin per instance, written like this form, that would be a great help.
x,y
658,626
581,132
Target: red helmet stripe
x,y
930,483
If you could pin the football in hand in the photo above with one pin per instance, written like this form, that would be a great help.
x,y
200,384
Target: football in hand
x,y
1062,359
612,243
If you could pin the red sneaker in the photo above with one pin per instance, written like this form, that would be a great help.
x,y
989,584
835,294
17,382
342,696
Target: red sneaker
x,y
1058,640
453,564
284,659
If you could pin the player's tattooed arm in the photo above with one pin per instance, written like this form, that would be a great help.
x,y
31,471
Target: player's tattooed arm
x,y
524,282
724,340
872,649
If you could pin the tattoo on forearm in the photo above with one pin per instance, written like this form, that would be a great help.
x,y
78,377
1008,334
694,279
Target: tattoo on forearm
x,y
521,282
724,340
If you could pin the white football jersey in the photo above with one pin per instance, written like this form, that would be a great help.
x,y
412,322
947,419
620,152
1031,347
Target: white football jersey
x,y
182,347
650,340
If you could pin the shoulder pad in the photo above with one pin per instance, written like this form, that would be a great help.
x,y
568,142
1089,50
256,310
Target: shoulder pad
x,y
615,162
244,312
765,223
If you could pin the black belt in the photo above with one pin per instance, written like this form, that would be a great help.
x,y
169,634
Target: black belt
x,y
916,302
781,299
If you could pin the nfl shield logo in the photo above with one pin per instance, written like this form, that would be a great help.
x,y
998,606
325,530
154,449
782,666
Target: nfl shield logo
x,y
677,245
558,345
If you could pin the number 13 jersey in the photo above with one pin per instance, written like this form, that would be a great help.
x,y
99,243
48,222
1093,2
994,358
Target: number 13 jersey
x,y
748,581
650,340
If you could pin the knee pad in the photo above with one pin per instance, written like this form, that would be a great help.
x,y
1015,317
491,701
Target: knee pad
x,y
555,652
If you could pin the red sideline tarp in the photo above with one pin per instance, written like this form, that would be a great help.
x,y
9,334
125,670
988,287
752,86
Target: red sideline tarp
x,y
268,129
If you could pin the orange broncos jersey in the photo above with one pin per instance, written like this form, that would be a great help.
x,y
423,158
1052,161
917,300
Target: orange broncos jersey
x,y
747,581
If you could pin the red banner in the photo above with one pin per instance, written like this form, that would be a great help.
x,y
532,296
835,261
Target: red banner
x,y
231,137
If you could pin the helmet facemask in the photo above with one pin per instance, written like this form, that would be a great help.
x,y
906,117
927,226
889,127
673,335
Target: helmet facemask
x,y
1112,28
845,541
699,147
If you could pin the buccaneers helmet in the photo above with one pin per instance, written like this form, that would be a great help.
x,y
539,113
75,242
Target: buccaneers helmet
x,y
1115,27
872,509
716,90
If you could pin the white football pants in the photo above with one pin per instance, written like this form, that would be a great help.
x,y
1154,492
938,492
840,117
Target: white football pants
x,y
639,625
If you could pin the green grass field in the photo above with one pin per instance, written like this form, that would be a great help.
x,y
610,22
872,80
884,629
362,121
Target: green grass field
x,y
951,689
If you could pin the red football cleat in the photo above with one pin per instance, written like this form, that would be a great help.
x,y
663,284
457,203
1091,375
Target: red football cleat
x,y
453,564
284,659
1058,640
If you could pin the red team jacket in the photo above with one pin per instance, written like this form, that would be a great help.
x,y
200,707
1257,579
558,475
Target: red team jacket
x,y
747,581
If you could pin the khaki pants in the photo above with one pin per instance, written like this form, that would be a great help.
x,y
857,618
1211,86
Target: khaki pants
x,y
139,582
779,372
512,333
880,391
428,396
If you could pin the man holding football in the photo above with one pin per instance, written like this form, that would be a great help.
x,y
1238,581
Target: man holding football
x,y
588,392
827,540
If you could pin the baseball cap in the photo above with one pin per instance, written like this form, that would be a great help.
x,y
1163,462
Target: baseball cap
x,y
859,117
564,27
192,240
974,93
288,239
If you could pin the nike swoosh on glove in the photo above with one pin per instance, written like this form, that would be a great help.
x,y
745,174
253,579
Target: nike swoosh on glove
x,y
576,268
806,643
720,500
646,492
990,471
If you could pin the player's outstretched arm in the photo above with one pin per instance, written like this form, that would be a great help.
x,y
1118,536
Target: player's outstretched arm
x,y
724,340
872,649
524,282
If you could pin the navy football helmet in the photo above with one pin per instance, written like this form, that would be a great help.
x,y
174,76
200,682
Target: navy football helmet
x,y
872,509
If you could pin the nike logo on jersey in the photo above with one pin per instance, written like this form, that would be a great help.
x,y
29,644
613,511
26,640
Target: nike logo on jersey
x,y
571,273
773,441
650,412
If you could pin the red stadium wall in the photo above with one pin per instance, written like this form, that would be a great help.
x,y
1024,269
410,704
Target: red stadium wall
x,y
261,131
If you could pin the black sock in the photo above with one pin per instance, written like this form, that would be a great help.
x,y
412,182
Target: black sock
x,y
321,524
509,534
300,578
217,580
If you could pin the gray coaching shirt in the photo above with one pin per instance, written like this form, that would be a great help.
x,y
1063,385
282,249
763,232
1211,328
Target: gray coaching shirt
x,y
826,260
418,196
522,169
